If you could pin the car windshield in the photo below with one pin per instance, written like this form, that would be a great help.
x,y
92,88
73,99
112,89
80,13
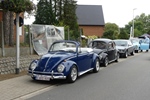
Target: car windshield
x,y
121,43
99,45
63,46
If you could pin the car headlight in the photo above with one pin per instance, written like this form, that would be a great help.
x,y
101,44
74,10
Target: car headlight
x,y
60,68
33,65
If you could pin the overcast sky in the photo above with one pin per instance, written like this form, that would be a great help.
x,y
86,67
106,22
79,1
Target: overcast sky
x,y
116,11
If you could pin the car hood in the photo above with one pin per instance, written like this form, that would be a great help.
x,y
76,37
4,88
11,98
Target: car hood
x,y
49,61
121,47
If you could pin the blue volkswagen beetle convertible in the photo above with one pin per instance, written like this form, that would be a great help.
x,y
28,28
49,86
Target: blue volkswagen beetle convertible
x,y
64,60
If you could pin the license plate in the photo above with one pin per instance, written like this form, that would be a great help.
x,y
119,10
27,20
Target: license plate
x,y
42,77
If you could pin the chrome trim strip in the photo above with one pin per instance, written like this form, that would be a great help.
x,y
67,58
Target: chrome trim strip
x,y
112,61
81,73
48,60
70,57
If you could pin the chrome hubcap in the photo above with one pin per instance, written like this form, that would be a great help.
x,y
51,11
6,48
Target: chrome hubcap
x,y
97,66
74,74
126,54
106,61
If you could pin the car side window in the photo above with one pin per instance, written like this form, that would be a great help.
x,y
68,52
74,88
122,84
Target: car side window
x,y
110,45
113,45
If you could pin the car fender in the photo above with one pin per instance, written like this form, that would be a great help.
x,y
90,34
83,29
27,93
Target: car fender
x,y
104,55
96,56
68,65
33,61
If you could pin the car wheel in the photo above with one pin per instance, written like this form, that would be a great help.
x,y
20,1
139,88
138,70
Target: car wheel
x,y
117,58
146,50
106,61
126,54
97,66
136,51
72,77
132,53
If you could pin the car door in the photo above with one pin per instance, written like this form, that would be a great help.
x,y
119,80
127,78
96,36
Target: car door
x,y
111,51
84,60
130,47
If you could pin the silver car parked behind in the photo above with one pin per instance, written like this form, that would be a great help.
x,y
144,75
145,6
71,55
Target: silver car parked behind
x,y
125,47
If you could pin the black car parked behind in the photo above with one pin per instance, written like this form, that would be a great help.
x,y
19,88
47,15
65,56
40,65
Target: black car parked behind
x,y
106,49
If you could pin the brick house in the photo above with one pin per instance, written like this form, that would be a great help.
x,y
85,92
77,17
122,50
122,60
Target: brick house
x,y
22,29
90,19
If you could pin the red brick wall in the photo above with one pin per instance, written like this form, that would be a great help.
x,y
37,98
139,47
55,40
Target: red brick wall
x,y
93,30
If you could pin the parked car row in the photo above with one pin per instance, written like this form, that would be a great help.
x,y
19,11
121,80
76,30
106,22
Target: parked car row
x,y
66,59
141,44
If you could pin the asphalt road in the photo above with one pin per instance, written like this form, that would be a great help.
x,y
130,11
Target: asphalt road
x,y
128,79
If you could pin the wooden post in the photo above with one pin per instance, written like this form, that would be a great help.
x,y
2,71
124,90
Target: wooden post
x,y
30,39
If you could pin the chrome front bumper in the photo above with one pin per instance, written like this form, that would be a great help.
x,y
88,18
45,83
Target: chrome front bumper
x,y
46,76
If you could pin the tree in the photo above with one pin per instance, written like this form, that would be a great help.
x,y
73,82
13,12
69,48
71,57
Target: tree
x,y
108,34
58,12
6,21
123,34
58,9
141,25
70,18
111,31
45,14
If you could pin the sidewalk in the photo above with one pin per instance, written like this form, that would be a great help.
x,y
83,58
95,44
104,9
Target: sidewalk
x,y
15,88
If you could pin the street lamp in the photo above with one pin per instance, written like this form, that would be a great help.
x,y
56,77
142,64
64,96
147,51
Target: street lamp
x,y
133,24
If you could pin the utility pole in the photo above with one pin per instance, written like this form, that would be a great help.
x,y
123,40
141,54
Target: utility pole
x,y
133,23
17,44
